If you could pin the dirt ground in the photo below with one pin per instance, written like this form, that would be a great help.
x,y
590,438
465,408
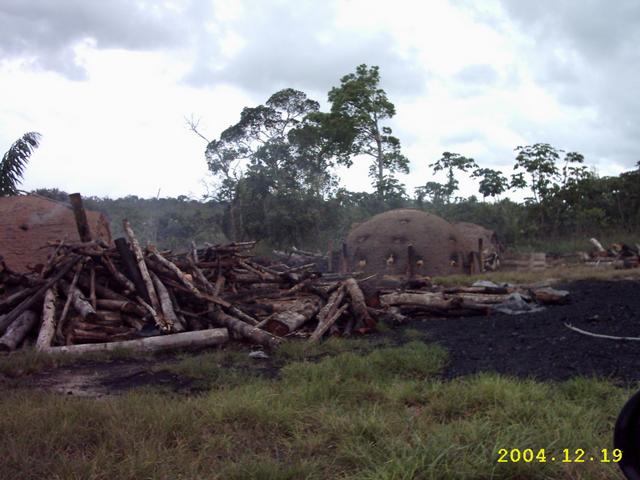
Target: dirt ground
x,y
534,345
538,345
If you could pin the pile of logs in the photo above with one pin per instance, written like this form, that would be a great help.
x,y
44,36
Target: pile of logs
x,y
618,255
463,301
91,296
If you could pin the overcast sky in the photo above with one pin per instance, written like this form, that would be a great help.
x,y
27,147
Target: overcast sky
x,y
109,83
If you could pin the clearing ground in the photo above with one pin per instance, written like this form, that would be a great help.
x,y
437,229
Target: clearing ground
x,y
436,398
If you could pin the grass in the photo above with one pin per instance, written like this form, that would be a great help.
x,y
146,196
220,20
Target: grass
x,y
556,274
576,244
344,409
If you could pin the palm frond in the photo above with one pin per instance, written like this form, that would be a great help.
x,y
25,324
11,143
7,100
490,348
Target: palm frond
x,y
14,162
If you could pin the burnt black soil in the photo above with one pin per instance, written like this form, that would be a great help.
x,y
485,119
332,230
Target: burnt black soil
x,y
539,346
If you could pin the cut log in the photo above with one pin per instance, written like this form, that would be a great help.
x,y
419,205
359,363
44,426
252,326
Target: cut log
x,y
328,311
327,323
128,260
358,304
84,232
167,305
48,327
33,299
15,298
199,339
299,313
428,299
79,302
119,277
245,330
550,296
482,298
124,306
18,330
597,244
163,323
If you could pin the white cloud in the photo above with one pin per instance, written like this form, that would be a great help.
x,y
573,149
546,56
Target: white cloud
x,y
108,84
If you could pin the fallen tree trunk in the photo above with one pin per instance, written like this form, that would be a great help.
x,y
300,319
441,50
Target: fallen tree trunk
x,y
247,331
434,300
199,339
48,327
18,330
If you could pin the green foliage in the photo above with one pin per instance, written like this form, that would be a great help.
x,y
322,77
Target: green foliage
x,y
364,105
450,162
14,161
492,182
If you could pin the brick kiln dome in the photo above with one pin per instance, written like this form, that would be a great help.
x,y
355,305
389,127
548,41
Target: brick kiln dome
x,y
380,245
28,222
469,233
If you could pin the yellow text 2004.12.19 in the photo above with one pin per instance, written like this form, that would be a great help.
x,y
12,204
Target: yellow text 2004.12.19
x,y
567,455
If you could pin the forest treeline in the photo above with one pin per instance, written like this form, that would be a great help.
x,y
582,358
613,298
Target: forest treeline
x,y
276,182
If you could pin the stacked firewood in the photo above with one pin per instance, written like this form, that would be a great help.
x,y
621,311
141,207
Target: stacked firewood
x,y
92,293
618,255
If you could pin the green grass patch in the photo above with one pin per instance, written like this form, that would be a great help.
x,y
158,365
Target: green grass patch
x,y
376,412
557,274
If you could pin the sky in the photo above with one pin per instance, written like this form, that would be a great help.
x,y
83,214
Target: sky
x,y
109,84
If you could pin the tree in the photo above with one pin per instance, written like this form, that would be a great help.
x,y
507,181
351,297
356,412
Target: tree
x,y
539,162
437,193
450,162
279,154
14,162
492,182
364,106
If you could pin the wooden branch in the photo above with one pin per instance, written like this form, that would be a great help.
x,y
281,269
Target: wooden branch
x,y
326,324
599,335
162,322
51,259
119,277
199,339
48,327
245,330
18,330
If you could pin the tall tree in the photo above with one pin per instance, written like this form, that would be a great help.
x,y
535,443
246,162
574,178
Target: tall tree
x,y
450,162
14,161
492,182
360,100
278,155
